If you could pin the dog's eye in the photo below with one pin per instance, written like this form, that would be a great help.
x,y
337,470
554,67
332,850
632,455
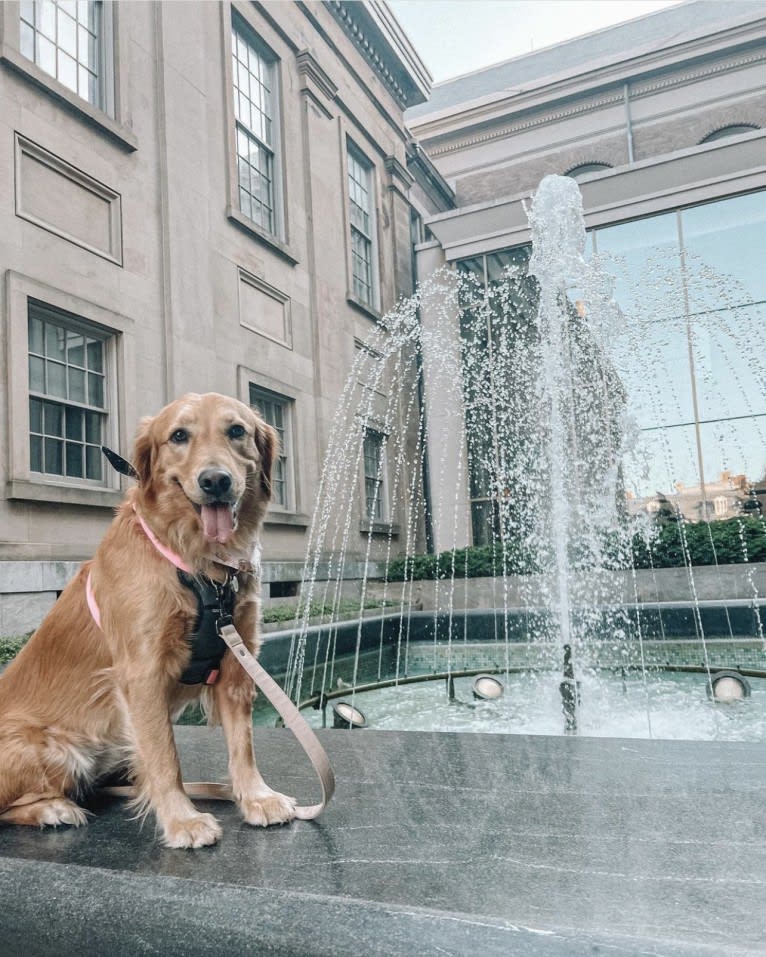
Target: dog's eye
x,y
179,436
236,432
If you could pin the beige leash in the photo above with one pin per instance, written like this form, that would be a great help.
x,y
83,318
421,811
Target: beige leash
x,y
293,719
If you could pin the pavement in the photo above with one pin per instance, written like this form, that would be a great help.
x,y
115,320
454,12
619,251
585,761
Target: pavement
x,y
434,844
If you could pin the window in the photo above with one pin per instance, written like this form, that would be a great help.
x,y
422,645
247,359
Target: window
x,y
255,113
734,130
65,39
584,169
67,395
691,290
275,411
374,467
361,214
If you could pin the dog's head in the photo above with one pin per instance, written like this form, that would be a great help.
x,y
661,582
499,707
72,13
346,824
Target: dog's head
x,y
204,472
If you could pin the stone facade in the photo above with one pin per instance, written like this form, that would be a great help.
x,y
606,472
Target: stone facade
x,y
126,219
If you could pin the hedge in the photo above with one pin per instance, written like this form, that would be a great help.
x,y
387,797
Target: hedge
x,y
728,542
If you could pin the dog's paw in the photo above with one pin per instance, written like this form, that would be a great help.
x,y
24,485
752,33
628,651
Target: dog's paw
x,y
197,831
271,808
60,811
49,812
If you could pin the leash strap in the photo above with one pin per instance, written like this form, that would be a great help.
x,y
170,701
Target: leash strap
x,y
293,719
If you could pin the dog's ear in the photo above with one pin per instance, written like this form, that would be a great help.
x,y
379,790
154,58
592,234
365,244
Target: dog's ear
x,y
142,451
267,443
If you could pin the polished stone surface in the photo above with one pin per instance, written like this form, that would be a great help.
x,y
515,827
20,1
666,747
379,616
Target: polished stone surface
x,y
434,844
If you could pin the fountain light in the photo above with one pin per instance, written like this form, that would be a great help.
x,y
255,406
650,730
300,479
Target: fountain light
x,y
345,715
487,687
726,687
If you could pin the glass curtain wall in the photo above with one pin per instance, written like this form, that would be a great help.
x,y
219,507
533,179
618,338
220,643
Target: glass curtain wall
x,y
690,286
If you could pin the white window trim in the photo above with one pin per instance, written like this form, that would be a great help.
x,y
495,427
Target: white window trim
x,y
23,483
383,522
110,118
293,514
372,309
288,409
278,242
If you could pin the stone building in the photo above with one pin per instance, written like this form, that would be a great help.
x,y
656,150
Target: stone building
x,y
662,121
195,196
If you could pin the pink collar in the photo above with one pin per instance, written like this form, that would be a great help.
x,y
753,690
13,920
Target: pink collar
x,y
251,566
162,549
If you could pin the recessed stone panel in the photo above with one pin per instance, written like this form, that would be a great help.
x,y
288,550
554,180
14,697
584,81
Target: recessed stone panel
x,y
264,309
66,201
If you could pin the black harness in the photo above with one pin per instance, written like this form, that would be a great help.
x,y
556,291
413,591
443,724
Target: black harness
x,y
215,608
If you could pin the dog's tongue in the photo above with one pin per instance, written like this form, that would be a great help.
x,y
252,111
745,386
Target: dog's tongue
x,y
217,523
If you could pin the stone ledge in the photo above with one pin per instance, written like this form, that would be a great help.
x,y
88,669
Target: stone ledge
x,y
457,843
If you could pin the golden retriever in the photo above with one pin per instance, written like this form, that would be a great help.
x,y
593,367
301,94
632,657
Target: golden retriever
x,y
81,699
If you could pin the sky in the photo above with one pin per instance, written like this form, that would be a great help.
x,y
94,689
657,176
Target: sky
x,y
454,37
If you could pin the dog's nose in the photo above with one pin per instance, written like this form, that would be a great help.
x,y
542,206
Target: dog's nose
x,y
214,482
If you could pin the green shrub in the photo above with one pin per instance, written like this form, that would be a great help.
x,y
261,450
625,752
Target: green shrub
x,y
728,542
10,647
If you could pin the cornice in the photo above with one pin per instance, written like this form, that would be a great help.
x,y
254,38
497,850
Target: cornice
x,y
405,78
586,104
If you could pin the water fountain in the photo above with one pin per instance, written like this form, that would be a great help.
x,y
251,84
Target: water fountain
x,y
532,843
511,393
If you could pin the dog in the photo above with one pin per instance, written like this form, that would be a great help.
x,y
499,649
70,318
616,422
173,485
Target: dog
x,y
99,683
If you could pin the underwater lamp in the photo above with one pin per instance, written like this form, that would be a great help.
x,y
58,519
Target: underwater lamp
x,y
487,687
345,715
725,687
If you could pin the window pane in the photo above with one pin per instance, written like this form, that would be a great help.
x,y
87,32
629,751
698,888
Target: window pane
x,y
93,427
47,19
55,342
94,467
36,336
95,390
727,237
67,34
46,55
53,419
74,460
56,384
75,349
67,71
54,456
35,415
27,41
76,385
36,374
36,453
644,257
74,419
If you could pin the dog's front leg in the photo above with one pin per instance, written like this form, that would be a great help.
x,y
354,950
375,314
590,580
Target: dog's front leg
x,y
156,767
259,804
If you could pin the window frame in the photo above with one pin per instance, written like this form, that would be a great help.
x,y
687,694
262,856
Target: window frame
x,y
287,445
55,317
102,90
118,333
374,522
109,118
239,16
353,152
